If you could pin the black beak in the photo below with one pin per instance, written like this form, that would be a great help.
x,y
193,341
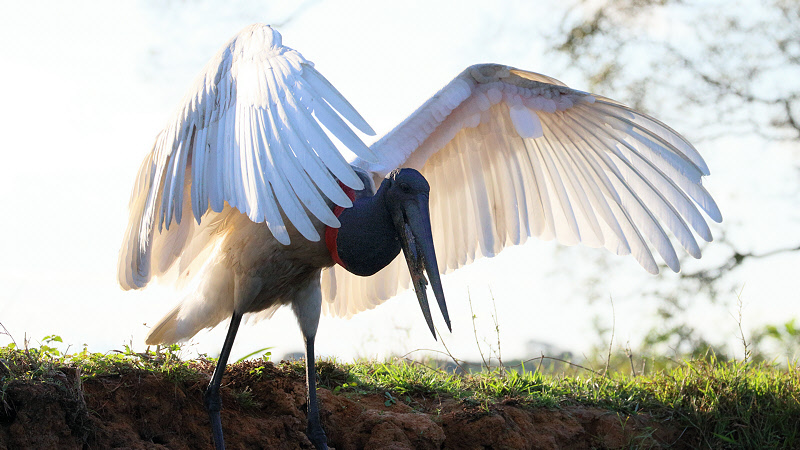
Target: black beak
x,y
413,223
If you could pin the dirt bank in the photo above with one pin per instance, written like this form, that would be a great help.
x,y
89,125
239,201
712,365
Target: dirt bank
x,y
265,408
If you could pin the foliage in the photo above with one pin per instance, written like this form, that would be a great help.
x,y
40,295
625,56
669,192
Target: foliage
x,y
728,404
723,404
264,352
32,363
785,337
729,61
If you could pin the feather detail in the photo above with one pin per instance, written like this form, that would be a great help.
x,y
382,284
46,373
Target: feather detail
x,y
248,134
511,154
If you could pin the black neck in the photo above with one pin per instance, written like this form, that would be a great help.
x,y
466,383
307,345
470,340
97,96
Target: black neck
x,y
367,240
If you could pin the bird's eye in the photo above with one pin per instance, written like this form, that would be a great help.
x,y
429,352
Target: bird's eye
x,y
405,188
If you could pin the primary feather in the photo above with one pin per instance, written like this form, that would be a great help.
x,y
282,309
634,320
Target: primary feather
x,y
248,134
511,154
243,180
508,154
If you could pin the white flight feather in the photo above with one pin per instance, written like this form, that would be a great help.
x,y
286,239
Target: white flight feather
x,y
510,153
248,134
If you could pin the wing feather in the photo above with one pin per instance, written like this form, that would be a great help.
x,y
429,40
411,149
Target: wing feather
x,y
249,135
510,153
585,219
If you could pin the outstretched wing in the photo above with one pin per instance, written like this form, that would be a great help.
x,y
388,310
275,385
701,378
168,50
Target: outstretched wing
x,y
511,154
247,133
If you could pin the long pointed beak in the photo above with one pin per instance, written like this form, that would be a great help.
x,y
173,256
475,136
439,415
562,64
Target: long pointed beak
x,y
413,224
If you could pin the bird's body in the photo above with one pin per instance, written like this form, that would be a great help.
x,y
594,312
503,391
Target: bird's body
x,y
246,196
251,272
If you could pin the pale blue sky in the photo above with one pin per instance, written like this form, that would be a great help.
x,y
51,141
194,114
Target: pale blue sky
x,y
87,86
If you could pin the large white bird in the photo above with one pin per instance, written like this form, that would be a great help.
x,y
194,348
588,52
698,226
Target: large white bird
x,y
245,193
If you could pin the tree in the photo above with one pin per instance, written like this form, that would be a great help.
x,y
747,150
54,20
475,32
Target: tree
x,y
736,66
715,69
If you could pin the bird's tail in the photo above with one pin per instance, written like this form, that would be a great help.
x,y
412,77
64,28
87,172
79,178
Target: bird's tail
x,y
205,307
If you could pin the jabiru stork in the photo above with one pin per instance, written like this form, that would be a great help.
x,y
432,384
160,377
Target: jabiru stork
x,y
246,194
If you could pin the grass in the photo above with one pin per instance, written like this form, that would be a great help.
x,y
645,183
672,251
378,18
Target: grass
x,y
726,404
32,364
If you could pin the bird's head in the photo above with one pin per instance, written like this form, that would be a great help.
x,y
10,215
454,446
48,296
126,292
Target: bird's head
x,y
407,195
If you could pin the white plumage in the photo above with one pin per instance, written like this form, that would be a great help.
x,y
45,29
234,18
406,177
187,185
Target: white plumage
x,y
247,134
508,154
241,185
511,154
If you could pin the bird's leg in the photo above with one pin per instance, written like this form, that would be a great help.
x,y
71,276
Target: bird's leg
x,y
307,306
314,428
211,399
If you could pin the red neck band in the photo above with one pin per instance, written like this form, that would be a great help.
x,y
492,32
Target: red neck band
x,y
332,233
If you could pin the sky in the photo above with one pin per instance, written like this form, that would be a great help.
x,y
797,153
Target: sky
x,y
88,86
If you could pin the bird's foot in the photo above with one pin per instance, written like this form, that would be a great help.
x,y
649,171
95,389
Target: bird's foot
x,y
317,437
213,404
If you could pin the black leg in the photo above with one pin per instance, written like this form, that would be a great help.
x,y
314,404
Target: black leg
x,y
212,401
314,429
